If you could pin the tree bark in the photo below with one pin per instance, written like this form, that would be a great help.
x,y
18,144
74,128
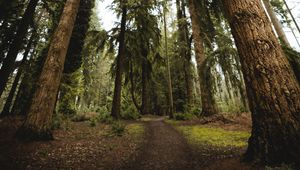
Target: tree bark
x,y
38,122
207,99
16,44
276,23
272,89
116,104
132,89
145,85
170,90
184,49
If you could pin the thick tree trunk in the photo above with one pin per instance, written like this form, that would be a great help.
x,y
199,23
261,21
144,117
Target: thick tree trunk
x,y
16,44
116,105
272,89
184,49
38,121
207,99
170,90
276,23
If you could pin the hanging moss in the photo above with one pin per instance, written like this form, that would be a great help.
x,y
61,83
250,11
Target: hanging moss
x,y
74,58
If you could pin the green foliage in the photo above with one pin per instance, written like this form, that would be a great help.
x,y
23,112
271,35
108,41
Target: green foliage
x,y
130,113
105,118
93,122
59,121
135,129
184,116
281,167
294,59
216,137
80,118
118,128
56,121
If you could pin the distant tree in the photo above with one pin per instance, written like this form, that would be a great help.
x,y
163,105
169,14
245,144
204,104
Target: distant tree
x,y
207,97
116,105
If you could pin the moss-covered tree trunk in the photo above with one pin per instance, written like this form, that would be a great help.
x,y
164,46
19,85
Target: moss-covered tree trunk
x,y
116,104
207,99
170,90
38,122
272,89
185,50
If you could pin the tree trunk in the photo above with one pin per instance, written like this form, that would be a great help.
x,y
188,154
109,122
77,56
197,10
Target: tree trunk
x,y
132,89
145,85
116,105
276,23
272,89
184,49
16,44
38,121
207,99
9,100
170,90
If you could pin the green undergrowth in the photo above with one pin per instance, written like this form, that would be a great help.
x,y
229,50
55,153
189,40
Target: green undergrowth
x,y
136,129
217,137
118,128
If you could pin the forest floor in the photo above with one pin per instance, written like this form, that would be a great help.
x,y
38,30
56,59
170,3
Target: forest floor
x,y
149,143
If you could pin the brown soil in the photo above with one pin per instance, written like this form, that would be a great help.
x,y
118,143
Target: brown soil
x,y
166,148
78,147
85,147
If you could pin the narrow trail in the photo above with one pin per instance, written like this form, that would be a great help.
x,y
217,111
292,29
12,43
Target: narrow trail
x,y
164,148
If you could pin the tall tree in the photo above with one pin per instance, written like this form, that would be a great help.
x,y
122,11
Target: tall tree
x,y
16,44
116,105
74,58
207,99
276,23
9,100
185,48
293,18
170,91
38,121
272,89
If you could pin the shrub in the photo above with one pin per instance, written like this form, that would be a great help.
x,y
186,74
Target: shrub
x,y
130,113
105,118
57,121
93,122
80,118
186,116
118,128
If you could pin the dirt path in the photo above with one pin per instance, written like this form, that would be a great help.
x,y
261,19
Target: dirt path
x,y
164,148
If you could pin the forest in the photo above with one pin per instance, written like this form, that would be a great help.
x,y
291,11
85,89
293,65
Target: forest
x,y
169,84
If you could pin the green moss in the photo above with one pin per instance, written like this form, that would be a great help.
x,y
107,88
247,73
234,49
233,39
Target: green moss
x,y
135,129
214,136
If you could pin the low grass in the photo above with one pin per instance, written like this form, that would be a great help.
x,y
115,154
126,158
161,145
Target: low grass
x,y
135,129
199,135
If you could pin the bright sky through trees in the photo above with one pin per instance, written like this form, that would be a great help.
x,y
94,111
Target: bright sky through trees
x,y
108,18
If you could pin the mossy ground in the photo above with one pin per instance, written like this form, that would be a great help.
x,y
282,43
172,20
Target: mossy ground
x,y
199,135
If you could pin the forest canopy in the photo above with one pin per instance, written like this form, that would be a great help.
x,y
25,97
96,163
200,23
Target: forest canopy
x,y
178,60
